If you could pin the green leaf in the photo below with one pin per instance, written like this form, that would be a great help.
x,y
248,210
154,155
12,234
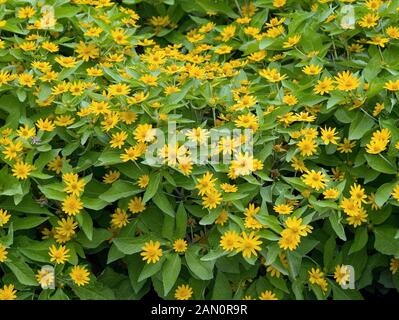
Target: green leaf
x,y
129,245
359,126
66,11
181,222
120,189
385,241
383,193
99,236
201,269
93,291
163,203
361,237
214,254
335,221
221,289
170,272
153,186
379,164
54,191
21,270
86,223
150,269
27,223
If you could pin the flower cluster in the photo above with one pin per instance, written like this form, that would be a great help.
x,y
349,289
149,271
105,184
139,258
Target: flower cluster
x,y
242,149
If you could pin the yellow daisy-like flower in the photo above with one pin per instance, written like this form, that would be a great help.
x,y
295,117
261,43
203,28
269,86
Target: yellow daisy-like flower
x,y
136,205
151,251
3,253
248,244
80,275
229,240
268,295
346,81
72,205
58,255
180,245
22,170
4,217
183,292
8,292
315,180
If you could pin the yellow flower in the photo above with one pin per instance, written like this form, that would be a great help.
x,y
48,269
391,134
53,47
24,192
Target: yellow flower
x,y
183,292
229,240
331,194
66,227
8,292
79,275
120,218
346,81
58,255
228,188
279,3
297,228
312,69
317,277
358,194
119,36
149,80
87,51
136,205
342,275
392,32
307,146
292,41
222,218
143,181
144,133
198,135
75,186
212,199
111,176
118,139
3,253
26,79
357,217
151,251
4,217
66,62
268,295
289,240
328,135
315,180
283,208
12,151
394,265
346,146
392,85
72,205
45,125
227,33
369,20
206,184
395,192
180,245
272,75
22,170
119,89
248,244
324,86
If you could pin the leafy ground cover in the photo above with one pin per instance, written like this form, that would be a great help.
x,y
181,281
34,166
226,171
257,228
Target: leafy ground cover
x,y
307,206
